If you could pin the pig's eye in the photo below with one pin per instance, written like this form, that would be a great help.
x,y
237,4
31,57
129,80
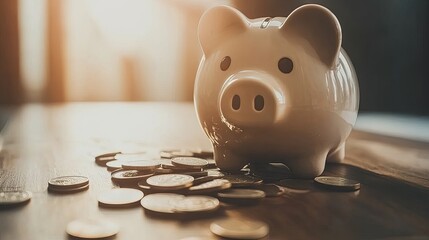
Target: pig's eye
x,y
224,65
285,65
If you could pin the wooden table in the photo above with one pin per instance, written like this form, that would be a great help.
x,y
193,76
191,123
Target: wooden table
x,y
45,141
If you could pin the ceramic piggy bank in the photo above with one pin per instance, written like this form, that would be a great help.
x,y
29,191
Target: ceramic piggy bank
x,y
275,89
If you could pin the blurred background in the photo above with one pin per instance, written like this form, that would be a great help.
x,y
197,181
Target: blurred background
x,y
134,50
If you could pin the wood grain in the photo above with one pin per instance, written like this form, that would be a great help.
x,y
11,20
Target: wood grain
x,y
44,141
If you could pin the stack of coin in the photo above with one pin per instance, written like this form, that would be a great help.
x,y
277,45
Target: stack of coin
x,y
68,184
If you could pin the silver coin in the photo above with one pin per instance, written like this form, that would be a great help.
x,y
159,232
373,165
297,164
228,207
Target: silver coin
x,y
92,228
161,202
338,183
239,229
170,181
196,204
192,162
68,182
242,193
120,197
238,180
141,165
14,197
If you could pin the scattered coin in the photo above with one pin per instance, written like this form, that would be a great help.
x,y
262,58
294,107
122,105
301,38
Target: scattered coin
x,y
92,228
176,153
129,175
104,158
196,174
64,182
194,204
242,193
8,198
337,183
114,165
162,170
271,190
239,229
238,180
131,156
215,173
204,179
203,153
211,186
120,197
178,168
170,181
161,202
141,165
212,163
191,162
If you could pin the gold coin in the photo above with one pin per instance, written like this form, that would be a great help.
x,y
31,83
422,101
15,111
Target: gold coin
x,y
120,197
92,228
161,202
242,194
239,229
196,204
170,181
338,183
211,186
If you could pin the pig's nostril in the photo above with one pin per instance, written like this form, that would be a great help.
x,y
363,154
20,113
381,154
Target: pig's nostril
x,y
236,102
259,103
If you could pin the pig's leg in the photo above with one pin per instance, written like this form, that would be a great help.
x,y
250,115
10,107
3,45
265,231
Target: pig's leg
x,y
227,160
337,155
308,167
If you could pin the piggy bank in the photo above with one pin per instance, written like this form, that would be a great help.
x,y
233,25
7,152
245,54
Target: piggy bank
x,y
275,89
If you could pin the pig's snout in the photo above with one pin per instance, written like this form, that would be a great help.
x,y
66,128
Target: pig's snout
x,y
250,99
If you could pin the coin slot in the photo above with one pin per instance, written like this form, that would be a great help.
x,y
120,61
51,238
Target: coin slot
x,y
259,103
236,102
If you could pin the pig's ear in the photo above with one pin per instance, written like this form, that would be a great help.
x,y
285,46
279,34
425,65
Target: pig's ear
x,y
318,26
218,23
